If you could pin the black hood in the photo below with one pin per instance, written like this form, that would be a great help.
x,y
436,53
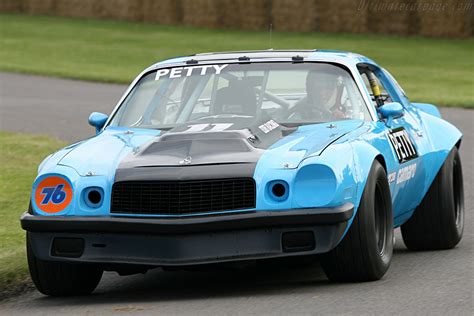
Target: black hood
x,y
182,153
176,149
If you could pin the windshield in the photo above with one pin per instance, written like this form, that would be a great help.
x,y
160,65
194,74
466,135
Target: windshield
x,y
287,93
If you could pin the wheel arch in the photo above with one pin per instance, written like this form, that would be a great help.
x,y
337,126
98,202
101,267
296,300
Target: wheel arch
x,y
380,158
428,108
364,156
443,137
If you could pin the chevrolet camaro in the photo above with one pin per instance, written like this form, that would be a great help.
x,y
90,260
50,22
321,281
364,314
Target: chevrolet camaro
x,y
242,156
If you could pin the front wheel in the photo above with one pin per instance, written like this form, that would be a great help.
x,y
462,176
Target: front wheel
x,y
366,251
61,278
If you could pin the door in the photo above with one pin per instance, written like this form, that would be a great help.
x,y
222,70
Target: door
x,y
407,138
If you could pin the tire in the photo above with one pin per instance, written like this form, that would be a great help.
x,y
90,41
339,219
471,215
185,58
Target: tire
x,y
366,251
438,222
62,278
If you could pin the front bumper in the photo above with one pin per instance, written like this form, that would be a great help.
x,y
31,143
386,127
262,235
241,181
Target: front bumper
x,y
188,241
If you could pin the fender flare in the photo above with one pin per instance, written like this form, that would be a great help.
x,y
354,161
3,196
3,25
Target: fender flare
x,y
363,155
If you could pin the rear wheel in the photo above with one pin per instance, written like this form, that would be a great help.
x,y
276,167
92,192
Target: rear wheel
x,y
366,251
62,278
438,222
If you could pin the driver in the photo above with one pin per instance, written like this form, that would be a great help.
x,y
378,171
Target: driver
x,y
322,101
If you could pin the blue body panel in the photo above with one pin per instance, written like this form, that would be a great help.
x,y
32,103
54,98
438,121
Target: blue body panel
x,y
92,163
323,165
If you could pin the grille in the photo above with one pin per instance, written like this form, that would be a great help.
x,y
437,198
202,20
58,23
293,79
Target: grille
x,y
182,197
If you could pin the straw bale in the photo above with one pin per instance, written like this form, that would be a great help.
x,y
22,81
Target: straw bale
x,y
451,19
11,6
393,17
162,11
230,14
255,14
130,10
201,13
40,7
77,8
342,16
294,15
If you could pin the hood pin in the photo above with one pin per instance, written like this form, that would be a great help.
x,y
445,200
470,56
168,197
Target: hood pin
x,y
186,161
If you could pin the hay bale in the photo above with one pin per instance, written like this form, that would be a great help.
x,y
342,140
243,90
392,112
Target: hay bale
x,y
393,17
244,14
15,6
294,15
472,20
201,13
162,11
130,10
346,16
230,15
255,14
40,7
450,18
78,8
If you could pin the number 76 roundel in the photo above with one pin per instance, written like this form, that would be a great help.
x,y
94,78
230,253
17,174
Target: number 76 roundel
x,y
53,194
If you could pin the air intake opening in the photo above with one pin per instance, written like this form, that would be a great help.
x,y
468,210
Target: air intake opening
x,y
183,197
67,247
94,196
278,190
298,241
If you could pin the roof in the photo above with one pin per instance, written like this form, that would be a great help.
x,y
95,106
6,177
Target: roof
x,y
295,55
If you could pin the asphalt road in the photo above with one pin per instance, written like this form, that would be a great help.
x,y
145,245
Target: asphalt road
x,y
418,283
53,106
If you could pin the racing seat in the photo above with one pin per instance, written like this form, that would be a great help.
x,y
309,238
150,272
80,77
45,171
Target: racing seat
x,y
238,98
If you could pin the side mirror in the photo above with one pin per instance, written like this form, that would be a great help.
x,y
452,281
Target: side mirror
x,y
391,111
97,120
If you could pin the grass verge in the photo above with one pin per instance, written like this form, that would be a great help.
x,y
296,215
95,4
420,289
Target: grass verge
x,y
20,155
438,71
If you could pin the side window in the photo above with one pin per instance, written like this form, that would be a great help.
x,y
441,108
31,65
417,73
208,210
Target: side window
x,y
383,96
389,75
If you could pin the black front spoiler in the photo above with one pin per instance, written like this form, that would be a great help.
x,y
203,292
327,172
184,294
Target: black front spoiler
x,y
239,221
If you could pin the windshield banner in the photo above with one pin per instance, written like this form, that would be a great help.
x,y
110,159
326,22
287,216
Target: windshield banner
x,y
179,72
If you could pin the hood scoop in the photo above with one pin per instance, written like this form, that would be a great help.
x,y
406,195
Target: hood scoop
x,y
191,149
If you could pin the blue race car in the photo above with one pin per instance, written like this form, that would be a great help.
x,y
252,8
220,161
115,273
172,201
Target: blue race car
x,y
224,157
